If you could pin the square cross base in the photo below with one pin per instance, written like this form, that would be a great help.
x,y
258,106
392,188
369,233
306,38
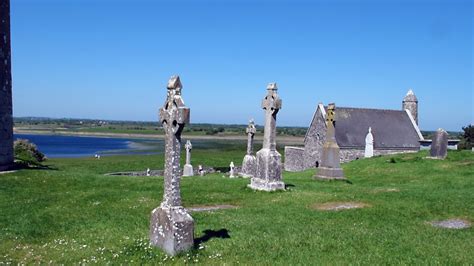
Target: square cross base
x,y
172,229
326,173
265,185
249,166
188,170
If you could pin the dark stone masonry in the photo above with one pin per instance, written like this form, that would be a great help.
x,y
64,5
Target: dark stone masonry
x,y
6,113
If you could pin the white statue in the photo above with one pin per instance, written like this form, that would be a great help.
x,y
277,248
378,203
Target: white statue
x,y
231,170
369,144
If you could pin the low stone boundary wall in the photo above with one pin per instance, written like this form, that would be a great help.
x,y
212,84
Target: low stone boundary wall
x,y
348,155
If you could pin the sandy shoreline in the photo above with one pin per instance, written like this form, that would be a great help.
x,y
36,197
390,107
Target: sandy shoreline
x,y
280,139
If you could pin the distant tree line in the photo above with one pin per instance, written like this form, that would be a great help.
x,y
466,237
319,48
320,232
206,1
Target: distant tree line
x,y
87,124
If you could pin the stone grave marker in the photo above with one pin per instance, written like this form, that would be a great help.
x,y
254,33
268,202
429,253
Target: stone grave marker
x,y
369,144
249,165
269,166
172,227
439,146
330,161
188,168
231,172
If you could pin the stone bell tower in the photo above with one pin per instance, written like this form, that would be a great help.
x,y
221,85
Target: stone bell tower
x,y
6,116
410,103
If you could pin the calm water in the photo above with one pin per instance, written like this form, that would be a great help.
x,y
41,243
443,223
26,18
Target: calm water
x,y
56,146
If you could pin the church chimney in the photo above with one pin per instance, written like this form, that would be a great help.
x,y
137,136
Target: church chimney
x,y
410,103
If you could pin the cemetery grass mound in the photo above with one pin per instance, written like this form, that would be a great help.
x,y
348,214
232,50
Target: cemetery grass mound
x,y
72,213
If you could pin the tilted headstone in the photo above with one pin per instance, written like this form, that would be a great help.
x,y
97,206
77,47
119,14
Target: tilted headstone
x,y
188,168
172,228
439,145
330,166
249,165
269,166
231,172
6,111
369,144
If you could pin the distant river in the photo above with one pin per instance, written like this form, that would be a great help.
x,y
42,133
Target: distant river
x,y
58,146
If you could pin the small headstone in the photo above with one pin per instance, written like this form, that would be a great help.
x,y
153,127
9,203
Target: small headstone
x,y
369,144
231,172
268,175
249,165
188,168
172,228
439,146
200,170
330,166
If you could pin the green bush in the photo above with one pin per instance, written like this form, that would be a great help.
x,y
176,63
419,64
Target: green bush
x,y
467,140
28,152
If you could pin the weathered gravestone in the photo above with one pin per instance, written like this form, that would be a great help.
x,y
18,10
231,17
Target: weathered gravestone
x,y
439,146
172,228
268,176
330,166
188,168
249,165
369,144
6,114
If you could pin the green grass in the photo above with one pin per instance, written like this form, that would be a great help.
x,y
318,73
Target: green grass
x,y
72,213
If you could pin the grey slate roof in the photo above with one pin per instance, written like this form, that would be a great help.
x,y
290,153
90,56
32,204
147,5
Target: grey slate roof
x,y
392,129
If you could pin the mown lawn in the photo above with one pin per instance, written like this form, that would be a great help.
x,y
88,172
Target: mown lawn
x,y
72,213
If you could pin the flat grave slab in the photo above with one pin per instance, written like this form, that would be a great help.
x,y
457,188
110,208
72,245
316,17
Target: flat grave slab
x,y
451,224
338,206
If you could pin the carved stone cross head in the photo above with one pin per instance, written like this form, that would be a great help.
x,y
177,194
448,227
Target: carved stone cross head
x,y
251,127
272,101
330,120
188,145
174,114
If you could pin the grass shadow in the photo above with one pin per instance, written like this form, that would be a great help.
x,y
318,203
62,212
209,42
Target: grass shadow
x,y
21,165
210,234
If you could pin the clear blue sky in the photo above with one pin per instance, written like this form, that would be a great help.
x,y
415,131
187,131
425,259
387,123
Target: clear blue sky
x,y
112,59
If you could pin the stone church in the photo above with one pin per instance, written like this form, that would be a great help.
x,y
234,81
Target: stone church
x,y
394,131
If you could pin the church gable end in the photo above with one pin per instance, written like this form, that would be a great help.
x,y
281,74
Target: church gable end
x,y
315,137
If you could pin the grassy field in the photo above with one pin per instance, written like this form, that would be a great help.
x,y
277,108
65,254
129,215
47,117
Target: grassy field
x,y
72,213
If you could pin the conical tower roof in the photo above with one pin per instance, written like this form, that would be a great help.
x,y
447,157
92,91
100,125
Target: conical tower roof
x,y
410,97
